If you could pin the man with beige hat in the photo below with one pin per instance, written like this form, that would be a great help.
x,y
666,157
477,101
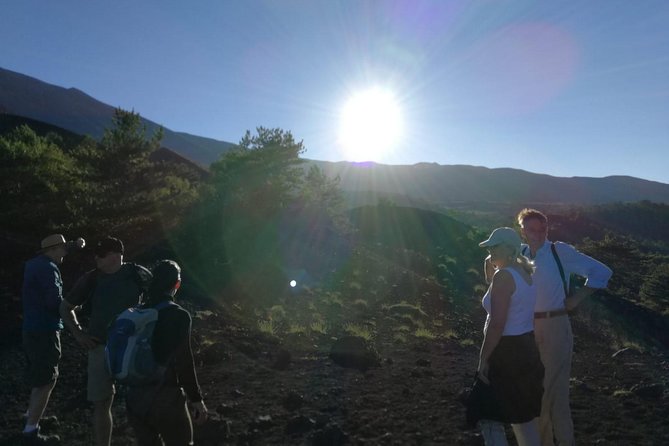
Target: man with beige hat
x,y
42,294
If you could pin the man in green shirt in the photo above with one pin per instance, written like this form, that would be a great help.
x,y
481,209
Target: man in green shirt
x,y
111,288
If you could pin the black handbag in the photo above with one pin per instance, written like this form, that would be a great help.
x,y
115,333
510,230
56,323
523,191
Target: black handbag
x,y
481,403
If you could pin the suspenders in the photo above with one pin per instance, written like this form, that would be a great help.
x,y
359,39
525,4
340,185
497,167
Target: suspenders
x,y
559,265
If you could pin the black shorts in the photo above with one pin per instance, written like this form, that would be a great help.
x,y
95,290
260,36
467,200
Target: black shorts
x,y
42,349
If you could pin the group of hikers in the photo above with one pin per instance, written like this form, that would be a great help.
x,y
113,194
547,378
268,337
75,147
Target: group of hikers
x,y
525,360
157,409
522,377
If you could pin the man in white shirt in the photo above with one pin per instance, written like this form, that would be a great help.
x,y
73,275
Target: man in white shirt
x,y
552,329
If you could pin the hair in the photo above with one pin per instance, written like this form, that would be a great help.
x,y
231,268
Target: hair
x,y
166,274
524,262
529,214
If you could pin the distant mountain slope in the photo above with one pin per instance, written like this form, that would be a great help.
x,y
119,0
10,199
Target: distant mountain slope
x,y
77,112
457,185
430,186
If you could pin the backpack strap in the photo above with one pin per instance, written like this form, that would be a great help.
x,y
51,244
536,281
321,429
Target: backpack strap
x,y
164,304
559,264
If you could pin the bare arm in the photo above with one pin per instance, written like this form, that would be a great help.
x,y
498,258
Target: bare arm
x,y
71,323
503,286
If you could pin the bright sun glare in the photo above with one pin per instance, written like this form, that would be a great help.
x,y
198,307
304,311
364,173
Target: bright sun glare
x,y
370,125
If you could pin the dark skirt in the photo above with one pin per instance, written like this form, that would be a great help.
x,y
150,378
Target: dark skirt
x,y
516,383
516,377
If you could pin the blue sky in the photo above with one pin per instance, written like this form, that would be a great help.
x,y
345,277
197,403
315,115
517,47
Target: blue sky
x,y
567,88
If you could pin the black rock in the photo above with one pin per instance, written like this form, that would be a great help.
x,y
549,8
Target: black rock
x,y
292,401
354,352
225,409
299,425
330,435
263,422
213,354
248,349
648,391
282,360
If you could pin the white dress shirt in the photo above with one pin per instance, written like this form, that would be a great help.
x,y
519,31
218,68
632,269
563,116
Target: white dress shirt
x,y
550,291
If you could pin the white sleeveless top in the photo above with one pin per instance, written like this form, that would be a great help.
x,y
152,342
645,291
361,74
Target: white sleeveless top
x,y
520,318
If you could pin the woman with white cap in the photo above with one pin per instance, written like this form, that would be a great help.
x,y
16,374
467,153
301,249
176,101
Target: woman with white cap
x,y
509,360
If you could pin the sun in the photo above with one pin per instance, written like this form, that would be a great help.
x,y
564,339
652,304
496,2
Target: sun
x,y
370,125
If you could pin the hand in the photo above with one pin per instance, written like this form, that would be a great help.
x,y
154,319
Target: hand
x,y
573,301
489,269
482,372
200,412
570,303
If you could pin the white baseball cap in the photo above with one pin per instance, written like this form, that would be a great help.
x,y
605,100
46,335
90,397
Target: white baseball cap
x,y
502,236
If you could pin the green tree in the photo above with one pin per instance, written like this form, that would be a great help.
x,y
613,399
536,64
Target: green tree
x,y
233,236
122,173
322,195
131,194
40,183
262,175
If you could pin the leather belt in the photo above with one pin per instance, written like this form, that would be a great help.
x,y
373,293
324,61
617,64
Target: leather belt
x,y
549,314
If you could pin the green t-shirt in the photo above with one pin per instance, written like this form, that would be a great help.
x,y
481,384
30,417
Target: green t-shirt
x,y
112,294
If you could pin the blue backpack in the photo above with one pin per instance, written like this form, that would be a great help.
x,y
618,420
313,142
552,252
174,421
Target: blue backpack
x,y
128,355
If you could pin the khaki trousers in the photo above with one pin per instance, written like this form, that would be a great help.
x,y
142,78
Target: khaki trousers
x,y
555,342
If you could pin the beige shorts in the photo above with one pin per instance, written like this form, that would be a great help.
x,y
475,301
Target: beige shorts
x,y
100,384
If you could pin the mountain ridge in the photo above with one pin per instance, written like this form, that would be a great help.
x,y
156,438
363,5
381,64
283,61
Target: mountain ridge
x,y
448,185
78,112
428,185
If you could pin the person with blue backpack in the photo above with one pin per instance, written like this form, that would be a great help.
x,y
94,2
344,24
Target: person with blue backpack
x,y
157,408
109,289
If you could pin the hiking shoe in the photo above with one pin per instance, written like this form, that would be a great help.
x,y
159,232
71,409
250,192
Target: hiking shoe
x,y
34,438
47,422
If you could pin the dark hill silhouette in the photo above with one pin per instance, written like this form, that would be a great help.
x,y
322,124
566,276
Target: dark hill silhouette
x,y
70,139
425,242
460,186
9,122
78,112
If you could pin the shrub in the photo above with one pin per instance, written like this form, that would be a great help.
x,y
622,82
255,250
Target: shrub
x,y
424,333
277,313
358,330
297,329
318,327
267,327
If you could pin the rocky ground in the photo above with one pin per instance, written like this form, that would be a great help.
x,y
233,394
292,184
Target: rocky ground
x,y
285,390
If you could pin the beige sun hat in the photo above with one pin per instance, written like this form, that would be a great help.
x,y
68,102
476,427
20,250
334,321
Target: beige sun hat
x,y
52,240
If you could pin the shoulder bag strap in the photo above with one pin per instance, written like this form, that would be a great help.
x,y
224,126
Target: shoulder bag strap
x,y
559,264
